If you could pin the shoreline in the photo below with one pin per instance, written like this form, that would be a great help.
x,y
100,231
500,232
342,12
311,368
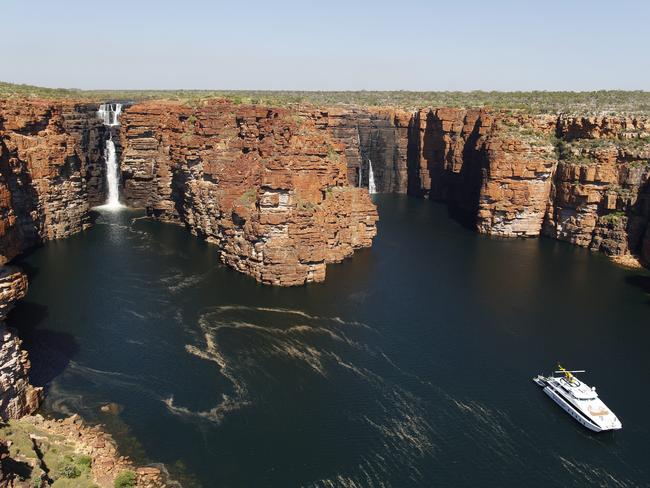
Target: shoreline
x,y
50,449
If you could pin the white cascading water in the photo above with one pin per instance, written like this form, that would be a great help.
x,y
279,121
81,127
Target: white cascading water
x,y
110,113
371,179
112,175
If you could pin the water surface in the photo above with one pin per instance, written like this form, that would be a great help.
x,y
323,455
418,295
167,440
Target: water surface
x,y
410,366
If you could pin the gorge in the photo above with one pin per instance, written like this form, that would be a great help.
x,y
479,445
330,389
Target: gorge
x,y
277,193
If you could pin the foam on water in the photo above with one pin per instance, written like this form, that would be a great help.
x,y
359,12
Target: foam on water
x,y
401,433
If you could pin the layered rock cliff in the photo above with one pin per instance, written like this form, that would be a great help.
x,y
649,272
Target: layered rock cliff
x,y
584,180
50,171
50,166
267,186
17,396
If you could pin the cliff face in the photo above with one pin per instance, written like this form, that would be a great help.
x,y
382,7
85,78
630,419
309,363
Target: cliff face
x,y
50,165
601,190
50,171
17,396
370,136
268,187
584,180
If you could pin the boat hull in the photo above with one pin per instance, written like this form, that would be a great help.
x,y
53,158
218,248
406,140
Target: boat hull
x,y
570,410
581,417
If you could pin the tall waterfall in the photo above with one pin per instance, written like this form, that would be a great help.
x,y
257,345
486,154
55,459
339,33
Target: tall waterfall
x,y
371,179
112,175
110,113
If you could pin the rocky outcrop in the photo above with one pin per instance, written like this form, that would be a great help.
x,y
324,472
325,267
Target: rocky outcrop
x,y
88,454
17,396
519,163
600,197
267,186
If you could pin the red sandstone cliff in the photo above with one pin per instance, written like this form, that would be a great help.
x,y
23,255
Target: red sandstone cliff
x,y
17,396
49,158
267,186
580,179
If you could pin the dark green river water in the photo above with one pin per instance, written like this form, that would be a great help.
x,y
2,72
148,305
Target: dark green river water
x,y
410,366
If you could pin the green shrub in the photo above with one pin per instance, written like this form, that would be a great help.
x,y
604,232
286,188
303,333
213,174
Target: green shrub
x,y
69,470
612,218
126,479
85,462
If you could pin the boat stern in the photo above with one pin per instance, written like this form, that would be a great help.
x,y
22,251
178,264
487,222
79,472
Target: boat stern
x,y
539,380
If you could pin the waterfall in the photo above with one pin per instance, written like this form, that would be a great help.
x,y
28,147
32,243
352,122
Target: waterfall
x,y
112,174
110,113
371,179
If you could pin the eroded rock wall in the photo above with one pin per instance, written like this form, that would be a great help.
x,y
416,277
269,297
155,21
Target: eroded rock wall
x,y
600,194
377,136
50,173
580,179
269,187
17,396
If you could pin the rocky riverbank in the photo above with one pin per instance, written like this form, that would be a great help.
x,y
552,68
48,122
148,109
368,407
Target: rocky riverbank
x,y
40,452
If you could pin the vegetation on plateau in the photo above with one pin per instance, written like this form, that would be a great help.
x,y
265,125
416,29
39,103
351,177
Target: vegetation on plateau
x,y
126,479
595,102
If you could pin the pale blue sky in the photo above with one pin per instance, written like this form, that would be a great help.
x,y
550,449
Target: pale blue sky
x,y
327,44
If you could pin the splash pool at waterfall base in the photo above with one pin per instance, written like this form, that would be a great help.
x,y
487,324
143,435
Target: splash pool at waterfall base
x,y
410,366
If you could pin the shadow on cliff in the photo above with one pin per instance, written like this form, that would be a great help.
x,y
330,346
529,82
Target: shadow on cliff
x,y
459,189
638,224
49,351
10,469
24,198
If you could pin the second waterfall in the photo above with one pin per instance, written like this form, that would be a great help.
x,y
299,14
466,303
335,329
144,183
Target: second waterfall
x,y
109,113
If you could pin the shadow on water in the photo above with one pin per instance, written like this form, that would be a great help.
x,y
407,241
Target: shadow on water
x,y
50,351
640,281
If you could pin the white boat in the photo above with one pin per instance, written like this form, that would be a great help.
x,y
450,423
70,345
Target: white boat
x,y
579,400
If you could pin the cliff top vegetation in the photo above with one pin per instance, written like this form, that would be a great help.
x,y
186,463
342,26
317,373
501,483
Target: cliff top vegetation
x,y
596,102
